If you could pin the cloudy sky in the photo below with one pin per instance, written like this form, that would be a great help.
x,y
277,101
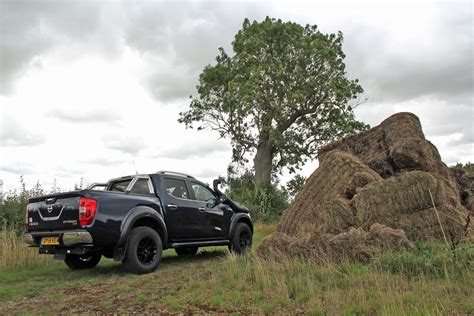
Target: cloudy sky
x,y
88,86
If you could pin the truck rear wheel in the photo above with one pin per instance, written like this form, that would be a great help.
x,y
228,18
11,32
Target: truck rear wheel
x,y
186,251
144,250
241,240
81,262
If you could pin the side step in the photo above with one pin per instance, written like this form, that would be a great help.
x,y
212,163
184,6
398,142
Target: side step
x,y
200,243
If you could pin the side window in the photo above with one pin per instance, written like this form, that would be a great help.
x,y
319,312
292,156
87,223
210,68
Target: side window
x,y
176,188
120,186
202,193
141,187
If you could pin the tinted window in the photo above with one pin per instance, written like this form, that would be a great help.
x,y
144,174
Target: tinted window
x,y
141,187
120,185
176,188
202,193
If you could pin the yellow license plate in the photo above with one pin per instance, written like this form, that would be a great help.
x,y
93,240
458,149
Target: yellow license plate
x,y
50,241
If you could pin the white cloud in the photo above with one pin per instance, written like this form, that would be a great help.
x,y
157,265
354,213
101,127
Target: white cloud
x,y
90,116
87,87
14,134
125,144
21,169
189,150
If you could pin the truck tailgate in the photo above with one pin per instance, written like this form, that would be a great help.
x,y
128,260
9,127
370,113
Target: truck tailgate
x,y
54,212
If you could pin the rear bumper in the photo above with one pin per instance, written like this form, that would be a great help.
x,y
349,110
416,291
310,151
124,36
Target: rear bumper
x,y
75,238
29,240
68,238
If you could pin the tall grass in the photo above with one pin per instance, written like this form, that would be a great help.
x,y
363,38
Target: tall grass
x,y
431,281
432,260
15,254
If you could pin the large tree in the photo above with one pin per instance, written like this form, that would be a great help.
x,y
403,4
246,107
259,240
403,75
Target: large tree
x,y
281,95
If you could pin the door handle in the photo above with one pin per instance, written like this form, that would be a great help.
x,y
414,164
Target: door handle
x,y
172,206
202,209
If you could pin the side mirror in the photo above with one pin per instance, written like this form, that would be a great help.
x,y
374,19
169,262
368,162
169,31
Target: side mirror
x,y
223,198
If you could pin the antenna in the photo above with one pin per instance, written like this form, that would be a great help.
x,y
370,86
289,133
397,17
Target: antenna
x,y
134,167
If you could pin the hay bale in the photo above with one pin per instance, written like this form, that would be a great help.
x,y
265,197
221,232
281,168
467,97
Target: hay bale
x,y
321,205
371,194
465,181
404,202
396,145
354,244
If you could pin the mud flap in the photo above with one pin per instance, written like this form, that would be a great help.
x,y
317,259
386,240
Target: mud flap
x,y
119,253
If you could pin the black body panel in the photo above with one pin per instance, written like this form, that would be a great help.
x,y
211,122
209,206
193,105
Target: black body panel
x,y
179,220
51,213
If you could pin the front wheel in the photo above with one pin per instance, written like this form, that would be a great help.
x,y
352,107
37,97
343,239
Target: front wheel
x,y
81,262
144,249
241,240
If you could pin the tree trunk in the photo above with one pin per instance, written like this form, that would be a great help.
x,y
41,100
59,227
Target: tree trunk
x,y
263,163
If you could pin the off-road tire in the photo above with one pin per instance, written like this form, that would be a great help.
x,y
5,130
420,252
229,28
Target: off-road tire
x,y
186,251
241,240
81,262
144,249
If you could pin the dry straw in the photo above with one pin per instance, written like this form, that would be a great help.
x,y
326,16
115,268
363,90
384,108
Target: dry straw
x,y
437,216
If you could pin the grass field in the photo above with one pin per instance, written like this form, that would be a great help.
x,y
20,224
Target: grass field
x,y
429,282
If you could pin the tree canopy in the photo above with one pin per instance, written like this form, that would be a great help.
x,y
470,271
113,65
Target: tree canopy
x,y
280,96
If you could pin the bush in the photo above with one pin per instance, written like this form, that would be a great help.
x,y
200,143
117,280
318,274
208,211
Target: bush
x,y
266,204
468,166
294,186
12,210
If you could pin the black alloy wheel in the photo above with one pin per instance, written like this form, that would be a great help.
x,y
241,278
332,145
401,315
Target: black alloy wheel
x,y
144,248
245,239
147,251
241,240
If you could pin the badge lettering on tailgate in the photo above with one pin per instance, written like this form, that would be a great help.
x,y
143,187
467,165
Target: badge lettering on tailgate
x,y
70,221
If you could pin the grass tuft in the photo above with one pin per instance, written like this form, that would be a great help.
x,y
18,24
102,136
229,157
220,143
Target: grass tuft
x,y
15,254
430,260
431,280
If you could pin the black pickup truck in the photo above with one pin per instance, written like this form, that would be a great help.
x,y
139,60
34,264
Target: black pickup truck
x,y
133,218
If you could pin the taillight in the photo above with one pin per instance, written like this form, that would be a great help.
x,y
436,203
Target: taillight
x,y
87,208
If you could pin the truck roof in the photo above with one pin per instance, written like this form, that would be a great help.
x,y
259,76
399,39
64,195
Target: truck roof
x,y
175,173
162,172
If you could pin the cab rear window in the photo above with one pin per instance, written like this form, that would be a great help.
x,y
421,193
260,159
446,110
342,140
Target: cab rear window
x,y
141,187
120,186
